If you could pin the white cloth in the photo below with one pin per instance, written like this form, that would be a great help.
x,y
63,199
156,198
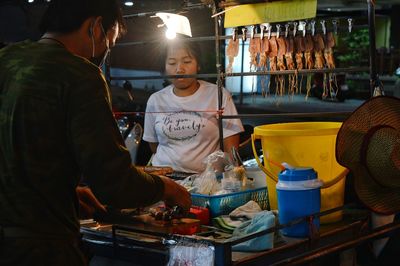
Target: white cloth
x,y
248,210
186,135
378,220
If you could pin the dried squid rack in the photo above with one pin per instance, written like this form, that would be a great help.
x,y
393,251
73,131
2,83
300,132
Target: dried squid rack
x,y
303,51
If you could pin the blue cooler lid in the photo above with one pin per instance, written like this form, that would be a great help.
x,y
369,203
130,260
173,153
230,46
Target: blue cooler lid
x,y
301,178
298,174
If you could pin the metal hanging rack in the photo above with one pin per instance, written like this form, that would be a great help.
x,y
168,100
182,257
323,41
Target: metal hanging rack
x,y
374,80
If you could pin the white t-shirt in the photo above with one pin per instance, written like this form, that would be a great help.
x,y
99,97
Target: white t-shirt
x,y
186,135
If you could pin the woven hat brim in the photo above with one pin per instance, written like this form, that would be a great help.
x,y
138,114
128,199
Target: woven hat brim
x,y
378,111
380,199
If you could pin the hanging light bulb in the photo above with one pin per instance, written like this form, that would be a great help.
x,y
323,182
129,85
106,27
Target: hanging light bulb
x,y
170,34
128,3
174,24
31,1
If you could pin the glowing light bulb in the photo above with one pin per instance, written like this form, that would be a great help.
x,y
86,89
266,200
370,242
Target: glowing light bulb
x,y
128,3
170,34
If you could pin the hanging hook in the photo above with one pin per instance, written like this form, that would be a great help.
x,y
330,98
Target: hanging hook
x,y
262,27
312,27
323,26
244,32
350,20
269,31
287,29
335,26
302,27
234,35
253,31
278,29
295,28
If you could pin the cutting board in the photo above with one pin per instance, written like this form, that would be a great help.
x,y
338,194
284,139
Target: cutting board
x,y
183,226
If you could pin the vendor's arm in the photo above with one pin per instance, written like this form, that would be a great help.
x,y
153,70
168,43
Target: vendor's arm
x,y
88,203
101,154
149,133
153,146
231,127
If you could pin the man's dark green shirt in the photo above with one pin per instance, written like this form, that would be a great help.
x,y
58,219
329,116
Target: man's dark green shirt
x,y
56,125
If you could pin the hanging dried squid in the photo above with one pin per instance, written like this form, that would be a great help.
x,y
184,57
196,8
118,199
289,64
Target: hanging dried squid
x,y
290,64
299,48
232,51
330,63
273,45
262,64
265,50
281,65
319,47
254,50
308,55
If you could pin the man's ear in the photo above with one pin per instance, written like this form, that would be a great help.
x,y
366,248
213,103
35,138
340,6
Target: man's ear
x,y
94,25
91,28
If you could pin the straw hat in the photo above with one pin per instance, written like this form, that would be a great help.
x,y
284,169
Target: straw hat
x,y
368,143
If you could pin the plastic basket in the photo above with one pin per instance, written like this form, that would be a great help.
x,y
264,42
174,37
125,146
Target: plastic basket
x,y
224,204
304,144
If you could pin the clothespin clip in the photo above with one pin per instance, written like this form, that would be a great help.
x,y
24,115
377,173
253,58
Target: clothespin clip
x,y
278,30
287,29
312,27
234,35
302,27
350,20
335,26
262,27
295,28
253,31
269,31
323,26
244,32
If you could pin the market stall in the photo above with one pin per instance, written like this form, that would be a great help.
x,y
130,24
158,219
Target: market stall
x,y
142,237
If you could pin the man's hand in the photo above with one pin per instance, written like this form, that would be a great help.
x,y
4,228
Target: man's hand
x,y
88,203
175,194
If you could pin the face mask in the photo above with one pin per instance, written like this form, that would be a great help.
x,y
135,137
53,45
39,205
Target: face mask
x,y
99,60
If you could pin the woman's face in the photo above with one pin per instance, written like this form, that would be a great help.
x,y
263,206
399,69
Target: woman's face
x,y
180,62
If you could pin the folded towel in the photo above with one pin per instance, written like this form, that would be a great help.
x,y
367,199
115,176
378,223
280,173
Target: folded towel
x,y
261,221
226,223
248,210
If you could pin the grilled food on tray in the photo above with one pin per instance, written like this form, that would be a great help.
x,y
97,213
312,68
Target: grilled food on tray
x,y
156,170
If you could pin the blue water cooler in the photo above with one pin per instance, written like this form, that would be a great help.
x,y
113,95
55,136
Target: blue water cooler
x,y
299,194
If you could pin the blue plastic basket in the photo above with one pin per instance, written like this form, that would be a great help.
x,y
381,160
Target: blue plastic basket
x,y
224,204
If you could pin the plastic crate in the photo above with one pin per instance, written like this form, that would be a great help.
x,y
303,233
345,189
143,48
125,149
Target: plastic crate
x,y
224,204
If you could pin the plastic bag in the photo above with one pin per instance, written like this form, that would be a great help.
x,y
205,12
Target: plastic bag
x,y
217,161
191,253
207,182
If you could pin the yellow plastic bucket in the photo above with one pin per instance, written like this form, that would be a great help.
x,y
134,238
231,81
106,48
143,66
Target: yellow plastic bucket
x,y
303,144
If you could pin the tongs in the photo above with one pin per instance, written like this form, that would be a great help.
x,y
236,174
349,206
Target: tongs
x,y
236,157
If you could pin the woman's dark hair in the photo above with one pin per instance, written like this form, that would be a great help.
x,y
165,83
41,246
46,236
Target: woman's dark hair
x,y
64,16
191,47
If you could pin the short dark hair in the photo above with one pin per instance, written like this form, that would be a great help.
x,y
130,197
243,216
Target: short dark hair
x,y
65,16
185,43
